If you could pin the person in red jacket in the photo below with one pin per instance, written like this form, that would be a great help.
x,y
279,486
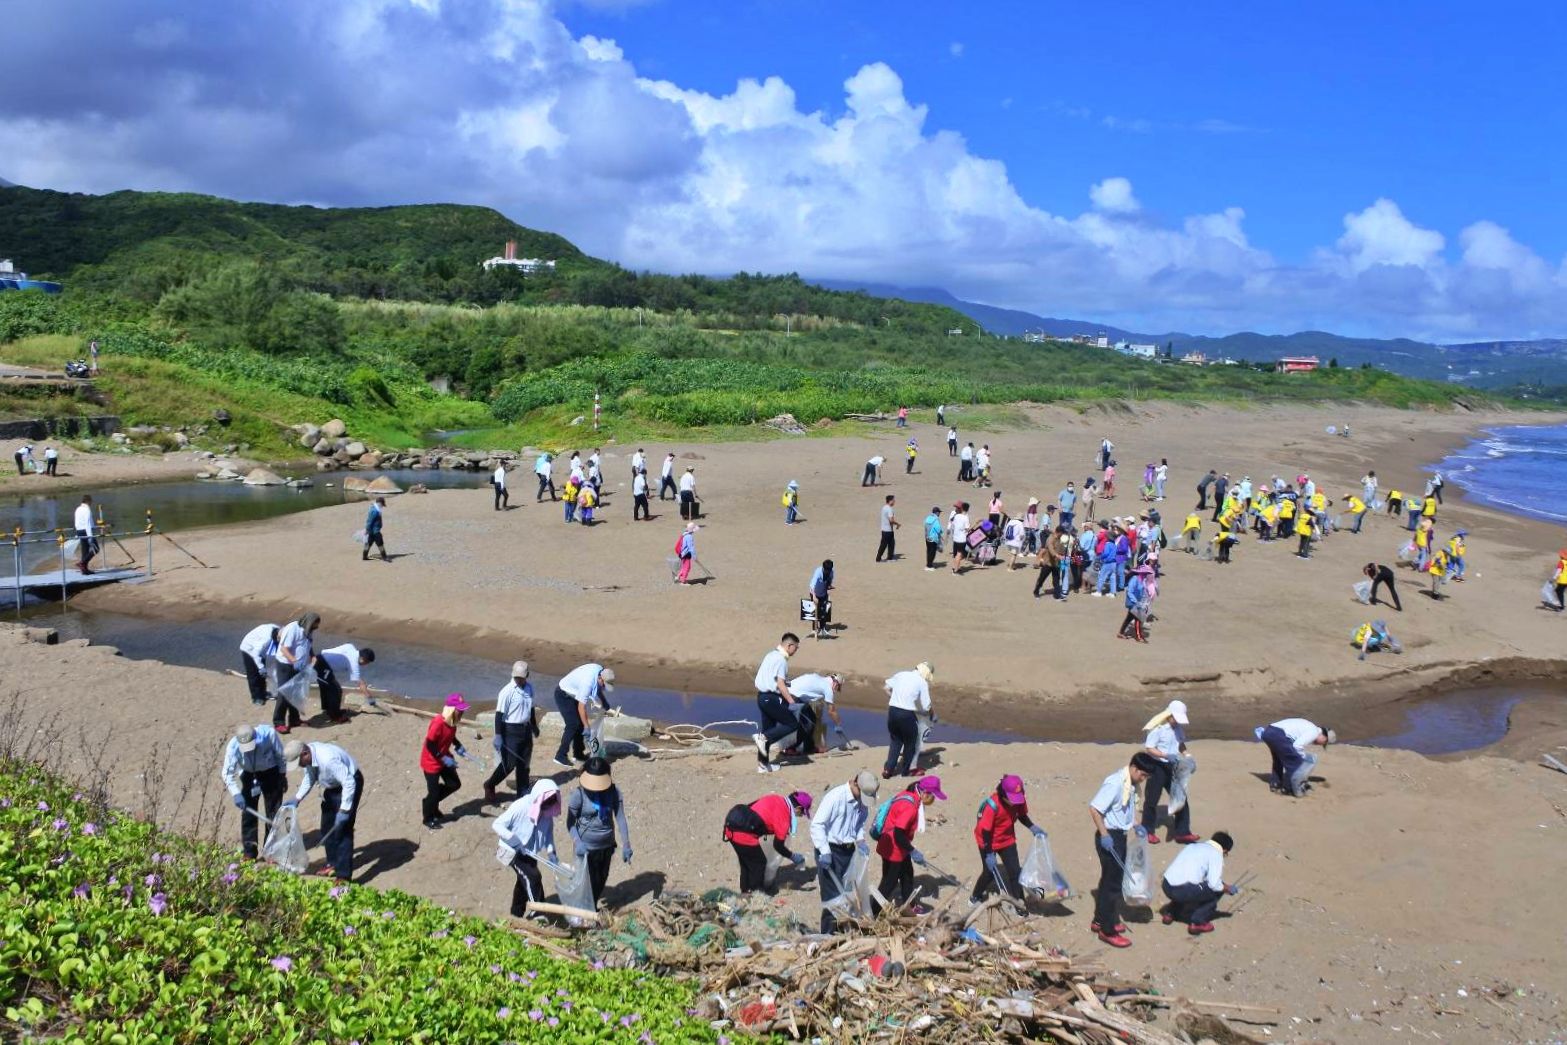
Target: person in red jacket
x,y
896,844
435,759
776,816
996,835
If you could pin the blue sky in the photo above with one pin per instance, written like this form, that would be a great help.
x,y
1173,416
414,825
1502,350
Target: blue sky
x,y
1372,169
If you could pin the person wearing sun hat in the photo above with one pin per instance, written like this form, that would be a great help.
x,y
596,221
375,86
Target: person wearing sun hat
x,y
253,774
1165,741
342,793
593,813
436,761
908,699
746,826
904,818
996,834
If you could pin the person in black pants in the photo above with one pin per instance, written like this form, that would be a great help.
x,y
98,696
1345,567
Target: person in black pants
x,y
1381,575
1111,810
889,539
1221,486
1195,903
1202,490
903,727
253,771
331,689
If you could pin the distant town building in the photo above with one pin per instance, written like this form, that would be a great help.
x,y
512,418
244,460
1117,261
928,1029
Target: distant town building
x,y
1195,359
1127,348
509,259
1297,364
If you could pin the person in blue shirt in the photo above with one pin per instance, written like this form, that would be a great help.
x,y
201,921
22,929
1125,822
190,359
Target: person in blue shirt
x,y
821,584
253,774
1137,599
1067,499
933,532
373,530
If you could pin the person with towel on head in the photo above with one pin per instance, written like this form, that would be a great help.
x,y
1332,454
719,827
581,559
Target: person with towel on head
x,y
527,832
1113,810
516,726
904,818
253,773
595,810
1194,882
342,793
835,831
292,654
574,695
1165,743
436,760
995,832
746,826
908,697
686,550
1290,741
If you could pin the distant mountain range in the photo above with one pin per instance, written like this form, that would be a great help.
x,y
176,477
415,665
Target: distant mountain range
x,y
1482,364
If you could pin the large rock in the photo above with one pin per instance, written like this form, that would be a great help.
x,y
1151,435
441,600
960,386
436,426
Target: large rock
x,y
371,460
355,449
310,436
228,474
334,429
181,440
263,477
323,448
354,484
383,484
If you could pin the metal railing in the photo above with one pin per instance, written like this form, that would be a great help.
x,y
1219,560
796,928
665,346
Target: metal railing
x,y
60,536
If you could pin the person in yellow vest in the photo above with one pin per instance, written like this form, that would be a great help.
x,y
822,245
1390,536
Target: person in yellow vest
x,y
1267,527
587,500
1395,503
1438,567
1428,508
1303,528
1357,512
1457,548
791,503
569,496
1372,636
1319,508
1423,535
1286,523
1559,578
1224,540
1190,531
911,450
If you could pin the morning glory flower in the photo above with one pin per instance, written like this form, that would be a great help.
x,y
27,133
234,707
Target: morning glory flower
x,y
159,903
283,963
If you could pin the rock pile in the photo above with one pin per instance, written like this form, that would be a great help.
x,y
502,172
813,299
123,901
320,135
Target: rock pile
x,y
334,449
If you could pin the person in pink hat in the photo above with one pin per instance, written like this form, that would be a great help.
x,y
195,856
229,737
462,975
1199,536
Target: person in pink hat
x,y
996,834
746,825
902,817
436,761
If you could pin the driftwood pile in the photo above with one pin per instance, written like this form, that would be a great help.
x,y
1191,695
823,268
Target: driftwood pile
x,y
901,977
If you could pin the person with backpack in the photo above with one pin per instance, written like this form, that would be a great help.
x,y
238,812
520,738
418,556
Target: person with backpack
x,y
791,503
685,548
1113,810
908,698
1165,742
595,810
746,825
898,820
995,832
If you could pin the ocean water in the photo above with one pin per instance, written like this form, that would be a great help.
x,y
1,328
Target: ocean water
x,y
1519,468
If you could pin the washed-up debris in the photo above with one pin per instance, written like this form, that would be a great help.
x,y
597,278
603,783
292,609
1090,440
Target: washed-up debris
x,y
785,423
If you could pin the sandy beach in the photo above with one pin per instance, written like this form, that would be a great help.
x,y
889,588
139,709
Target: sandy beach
x,y
79,470
1404,897
1267,635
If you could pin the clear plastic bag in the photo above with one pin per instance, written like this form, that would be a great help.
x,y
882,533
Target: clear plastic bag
x,y
854,896
297,689
1548,595
774,861
573,886
1363,592
1408,553
1039,875
1136,878
1185,766
285,844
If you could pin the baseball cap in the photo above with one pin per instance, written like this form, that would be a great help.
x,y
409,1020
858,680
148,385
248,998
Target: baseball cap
x,y
292,752
867,783
1012,788
456,700
930,785
246,736
607,679
1178,712
519,669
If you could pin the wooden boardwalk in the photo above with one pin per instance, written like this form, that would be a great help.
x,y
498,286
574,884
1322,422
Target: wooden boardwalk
x,y
45,584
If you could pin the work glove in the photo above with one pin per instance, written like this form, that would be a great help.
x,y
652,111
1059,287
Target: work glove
x,y
798,860
342,819
239,802
990,862
1107,843
1142,832
448,761
1233,890
290,803
462,751
839,730
1039,832
625,855
917,856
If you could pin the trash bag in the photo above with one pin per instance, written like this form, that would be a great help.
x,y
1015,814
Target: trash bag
x,y
774,861
360,537
1136,876
1039,875
1363,592
854,896
297,689
593,736
1185,766
1408,553
285,844
1548,595
573,886
73,547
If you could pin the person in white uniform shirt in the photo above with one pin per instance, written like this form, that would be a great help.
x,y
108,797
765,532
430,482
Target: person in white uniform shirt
x,y
836,827
342,793
1166,742
575,694
255,650
1290,741
666,478
908,698
331,665
774,703
498,480
253,774
958,526
1195,883
639,503
1114,809
814,696
291,655
544,469
86,532
516,726
689,502
51,461
872,470
638,463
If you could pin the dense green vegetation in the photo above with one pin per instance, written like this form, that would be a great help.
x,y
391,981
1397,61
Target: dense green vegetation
x,y
279,315
117,932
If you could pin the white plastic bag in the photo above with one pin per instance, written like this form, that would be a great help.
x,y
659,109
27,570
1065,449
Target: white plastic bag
x,y
1040,876
573,886
1363,592
297,689
1408,553
285,845
854,896
1185,766
1548,595
1136,879
774,861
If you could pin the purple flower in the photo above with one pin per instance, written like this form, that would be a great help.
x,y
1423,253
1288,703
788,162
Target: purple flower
x,y
389,915
152,881
554,1021
349,930
82,892
5,803
470,940
43,807
513,977
233,867
89,828
283,963
535,1014
229,879
531,975
646,1039
159,903
336,891
61,824
503,1012
566,1005
598,964
439,934
496,969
